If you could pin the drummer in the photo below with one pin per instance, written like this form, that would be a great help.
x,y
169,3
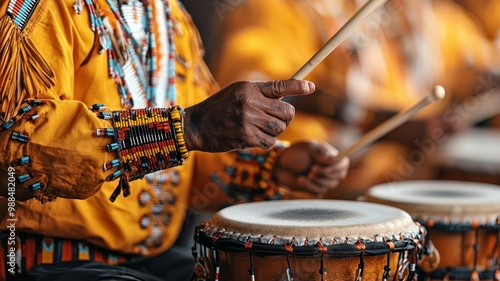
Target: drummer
x,y
394,58
67,58
283,24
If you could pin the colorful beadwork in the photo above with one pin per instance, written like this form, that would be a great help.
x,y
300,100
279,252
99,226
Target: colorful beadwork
x,y
26,106
29,105
140,52
176,114
111,164
21,10
250,177
147,140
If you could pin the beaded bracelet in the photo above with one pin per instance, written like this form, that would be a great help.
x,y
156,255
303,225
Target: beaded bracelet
x,y
146,140
250,176
272,190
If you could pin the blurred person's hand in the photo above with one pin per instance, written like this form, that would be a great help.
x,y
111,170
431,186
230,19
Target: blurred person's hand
x,y
310,166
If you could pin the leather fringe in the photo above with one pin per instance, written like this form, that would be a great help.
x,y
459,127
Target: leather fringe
x,y
23,71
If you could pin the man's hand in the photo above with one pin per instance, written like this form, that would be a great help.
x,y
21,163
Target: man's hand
x,y
310,166
242,115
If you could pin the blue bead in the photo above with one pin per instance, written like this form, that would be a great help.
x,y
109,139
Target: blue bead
x,y
20,161
144,198
114,175
145,222
7,125
104,115
35,103
19,137
25,177
24,109
97,107
32,117
112,147
35,186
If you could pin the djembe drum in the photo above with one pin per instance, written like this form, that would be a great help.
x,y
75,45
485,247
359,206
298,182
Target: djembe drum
x,y
461,218
308,240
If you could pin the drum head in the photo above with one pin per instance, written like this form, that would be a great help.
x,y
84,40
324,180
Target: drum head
x,y
441,201
325,220
473,150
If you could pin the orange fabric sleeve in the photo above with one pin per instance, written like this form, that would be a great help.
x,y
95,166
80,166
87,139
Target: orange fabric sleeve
x,y
64,151
61,141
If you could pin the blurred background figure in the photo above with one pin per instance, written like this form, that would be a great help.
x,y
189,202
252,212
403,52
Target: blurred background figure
x,y
395,57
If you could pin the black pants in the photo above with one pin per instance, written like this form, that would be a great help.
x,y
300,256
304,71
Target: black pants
x,y
176,264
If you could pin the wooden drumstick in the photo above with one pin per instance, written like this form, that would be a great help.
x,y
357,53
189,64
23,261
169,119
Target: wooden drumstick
x,y
437,93
338,38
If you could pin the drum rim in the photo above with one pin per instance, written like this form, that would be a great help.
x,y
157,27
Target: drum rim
x,y
466,214
349,248
368,220
217,237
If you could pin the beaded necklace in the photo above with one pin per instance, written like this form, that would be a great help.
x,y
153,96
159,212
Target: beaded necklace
x,y
137,37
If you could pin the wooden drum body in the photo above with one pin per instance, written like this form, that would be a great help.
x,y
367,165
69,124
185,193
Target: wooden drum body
x,y
308,240
462,220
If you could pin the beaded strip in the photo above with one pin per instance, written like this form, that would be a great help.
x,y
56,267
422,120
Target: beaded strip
x,y
405,243
171,91
176,113
110,22
147,140
21,10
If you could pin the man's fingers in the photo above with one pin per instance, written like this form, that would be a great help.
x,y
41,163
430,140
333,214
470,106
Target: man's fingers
x,y
282,88
309,185
272,126
324,154
338,168
329,176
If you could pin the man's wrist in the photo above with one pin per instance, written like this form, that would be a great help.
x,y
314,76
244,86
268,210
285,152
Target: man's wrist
x,y
191,129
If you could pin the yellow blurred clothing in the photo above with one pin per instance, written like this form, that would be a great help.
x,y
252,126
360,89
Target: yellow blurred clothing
x,y
393,59
273,39
262,39
485,12
150,219
417,45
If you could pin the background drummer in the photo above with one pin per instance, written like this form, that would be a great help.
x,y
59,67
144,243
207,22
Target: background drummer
x,y
394,58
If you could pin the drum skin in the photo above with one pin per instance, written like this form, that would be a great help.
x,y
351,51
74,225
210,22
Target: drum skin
x,y
457,216
303,223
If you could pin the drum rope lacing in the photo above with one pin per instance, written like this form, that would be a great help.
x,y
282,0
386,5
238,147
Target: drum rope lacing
x,y
387,269
322,270
462,273
223,241
251,271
